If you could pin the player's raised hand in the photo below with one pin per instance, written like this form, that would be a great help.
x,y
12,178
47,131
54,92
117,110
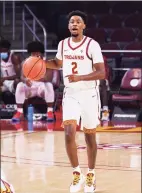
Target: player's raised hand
x,y
28,82
74,78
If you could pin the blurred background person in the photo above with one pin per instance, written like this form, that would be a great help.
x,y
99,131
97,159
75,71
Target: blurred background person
x,y
104,93
28,89
10,66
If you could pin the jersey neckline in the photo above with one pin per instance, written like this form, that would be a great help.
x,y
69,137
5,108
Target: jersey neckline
x,y
69,44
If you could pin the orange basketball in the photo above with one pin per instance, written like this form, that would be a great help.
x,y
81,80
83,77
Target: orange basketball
x,y
34,68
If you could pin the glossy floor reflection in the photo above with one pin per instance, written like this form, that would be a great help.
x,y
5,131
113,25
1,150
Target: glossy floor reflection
x,y
35,161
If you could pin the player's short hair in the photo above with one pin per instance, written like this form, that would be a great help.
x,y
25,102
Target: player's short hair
x,y
78,13
35,46
5,44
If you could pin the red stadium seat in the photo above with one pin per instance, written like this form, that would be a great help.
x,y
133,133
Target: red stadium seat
x,y
125,7
133,46
98,34
139,36
112,57
132,60
110,46
98,7
110,21
123,35
134,20
127,101
130,88
91,21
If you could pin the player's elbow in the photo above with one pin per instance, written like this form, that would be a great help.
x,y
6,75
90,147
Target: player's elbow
x,y
58,65
102,74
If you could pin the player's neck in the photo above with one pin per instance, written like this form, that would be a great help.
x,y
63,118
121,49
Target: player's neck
x,y
37,54
79,38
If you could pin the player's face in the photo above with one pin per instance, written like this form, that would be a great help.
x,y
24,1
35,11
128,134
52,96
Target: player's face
x,y
76,26
4,52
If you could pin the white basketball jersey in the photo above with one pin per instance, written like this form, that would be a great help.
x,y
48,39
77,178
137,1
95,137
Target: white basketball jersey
x,y
77,61
7,68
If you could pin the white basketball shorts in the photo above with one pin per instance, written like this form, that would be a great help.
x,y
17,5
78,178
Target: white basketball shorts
x,y
84,104
8,85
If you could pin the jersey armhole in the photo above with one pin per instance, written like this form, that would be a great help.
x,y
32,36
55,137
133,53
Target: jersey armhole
x,y
87,48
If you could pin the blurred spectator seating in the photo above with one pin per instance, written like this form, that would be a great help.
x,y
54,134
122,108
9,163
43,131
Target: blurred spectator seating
x,y
130,91
134,20
139,36
97,8
98,34
91,21
111,46
113,58
125,7
132,60
110,21
123,35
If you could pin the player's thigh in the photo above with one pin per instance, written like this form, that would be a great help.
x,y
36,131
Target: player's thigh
x,y
36,89
41,88
91,111
30,91
9,84
71,109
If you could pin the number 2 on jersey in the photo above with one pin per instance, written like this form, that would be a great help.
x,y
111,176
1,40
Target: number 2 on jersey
x,y
74,68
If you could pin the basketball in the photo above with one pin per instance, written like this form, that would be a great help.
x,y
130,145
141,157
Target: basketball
x,y
34,68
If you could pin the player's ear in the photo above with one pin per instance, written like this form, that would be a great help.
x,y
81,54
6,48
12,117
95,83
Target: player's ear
x,y
84,26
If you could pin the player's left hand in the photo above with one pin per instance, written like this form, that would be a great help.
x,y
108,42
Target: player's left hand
x,y
74,78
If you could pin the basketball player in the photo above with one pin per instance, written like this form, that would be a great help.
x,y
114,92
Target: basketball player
x,y
78,55
28,89
10,64
104,93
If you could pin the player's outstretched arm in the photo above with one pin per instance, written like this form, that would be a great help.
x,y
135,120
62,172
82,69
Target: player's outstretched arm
x,y
16,60
57,62
54,64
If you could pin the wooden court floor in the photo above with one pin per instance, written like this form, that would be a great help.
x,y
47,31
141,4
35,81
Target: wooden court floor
x,y
35,161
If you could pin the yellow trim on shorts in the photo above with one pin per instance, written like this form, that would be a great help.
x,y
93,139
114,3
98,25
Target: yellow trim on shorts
x,y
69,122
89,131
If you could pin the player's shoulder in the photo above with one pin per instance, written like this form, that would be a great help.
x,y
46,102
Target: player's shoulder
x,y
64,40
14,56
93,44
92,41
